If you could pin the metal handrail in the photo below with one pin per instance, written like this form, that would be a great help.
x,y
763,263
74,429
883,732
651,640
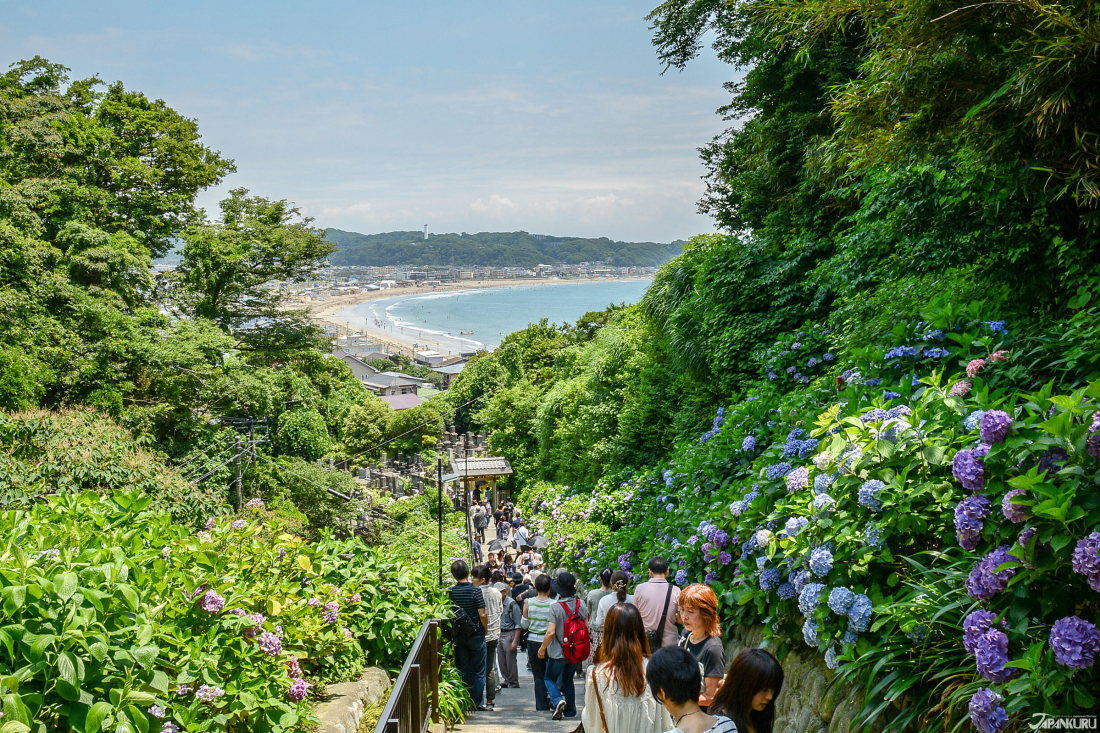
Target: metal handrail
x,y
413,702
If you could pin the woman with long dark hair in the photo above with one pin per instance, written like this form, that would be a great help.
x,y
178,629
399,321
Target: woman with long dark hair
x,y
617,699
747,696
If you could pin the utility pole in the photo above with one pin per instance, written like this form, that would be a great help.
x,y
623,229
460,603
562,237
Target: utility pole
x,y
240,478
439,477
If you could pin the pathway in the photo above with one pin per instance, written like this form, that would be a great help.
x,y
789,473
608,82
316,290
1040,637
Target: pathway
x,y
515,709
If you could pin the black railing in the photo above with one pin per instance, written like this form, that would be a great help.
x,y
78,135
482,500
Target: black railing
x,y
413,704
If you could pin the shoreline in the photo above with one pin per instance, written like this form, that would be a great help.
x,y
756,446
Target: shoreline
x,y
325,313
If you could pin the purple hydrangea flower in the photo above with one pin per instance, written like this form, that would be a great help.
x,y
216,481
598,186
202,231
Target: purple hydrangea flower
x,y
969,514
156,711
1026,536
976,624
293,669
681,576
875,415
1051,460
991,656
724,558
210,523
710,578
1086,559
1075,642
721,539
314,602
994,426
270,644
840,600
984,580
255,503
1014,513
969,469
209,693
298,690
170,727
748,444
211,602
868,494
797,479
183,689
238,524
986,711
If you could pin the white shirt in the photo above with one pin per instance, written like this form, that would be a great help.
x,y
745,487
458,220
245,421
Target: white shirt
x,y
494,607
605,605
724,725
624,714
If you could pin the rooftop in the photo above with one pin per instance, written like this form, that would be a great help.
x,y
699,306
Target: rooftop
x,y
490,466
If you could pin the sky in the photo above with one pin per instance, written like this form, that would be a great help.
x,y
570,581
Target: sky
x,y
552,118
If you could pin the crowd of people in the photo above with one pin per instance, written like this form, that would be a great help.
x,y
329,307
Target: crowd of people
x,y
652,660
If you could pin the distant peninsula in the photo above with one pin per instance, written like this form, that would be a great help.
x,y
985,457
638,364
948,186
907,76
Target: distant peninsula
x,y
492,249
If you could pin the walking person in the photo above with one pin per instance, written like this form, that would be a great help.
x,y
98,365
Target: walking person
x,y
536,619
595,631
494,607
658,601
567,618
619,580
470,625
617,699
674,679
702,637
478,513
511,629
747,696
522,533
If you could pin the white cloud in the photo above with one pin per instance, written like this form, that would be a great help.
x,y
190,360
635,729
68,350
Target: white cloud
x,y
495,207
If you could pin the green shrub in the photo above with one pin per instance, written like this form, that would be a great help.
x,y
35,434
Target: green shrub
x,y
114,616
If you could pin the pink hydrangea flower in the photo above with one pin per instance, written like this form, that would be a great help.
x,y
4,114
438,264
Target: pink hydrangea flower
x,y
960,388
974,367
1001,355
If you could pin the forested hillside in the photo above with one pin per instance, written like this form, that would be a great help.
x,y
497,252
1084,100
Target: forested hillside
x,y
492,249
868,414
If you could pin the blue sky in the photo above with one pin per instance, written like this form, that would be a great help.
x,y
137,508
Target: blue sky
x,y
547,117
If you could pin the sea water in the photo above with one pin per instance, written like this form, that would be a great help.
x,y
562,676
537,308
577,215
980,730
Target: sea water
x,y
440,318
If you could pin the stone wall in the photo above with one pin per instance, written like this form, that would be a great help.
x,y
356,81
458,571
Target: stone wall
x,y
807,703
341,705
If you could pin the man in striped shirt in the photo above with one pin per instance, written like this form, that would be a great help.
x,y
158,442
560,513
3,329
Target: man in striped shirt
x,y
470,650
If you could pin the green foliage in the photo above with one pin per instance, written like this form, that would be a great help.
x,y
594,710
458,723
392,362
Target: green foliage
x,y
366,425
299,488
107,615
492,249
302,433
69,452
414,429
411,531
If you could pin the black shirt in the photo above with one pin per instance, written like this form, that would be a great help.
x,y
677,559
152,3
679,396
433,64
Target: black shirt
x,y
518,589
469,598
710,653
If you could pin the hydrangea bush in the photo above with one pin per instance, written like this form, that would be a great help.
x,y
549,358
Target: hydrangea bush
x,y
116,618
935,479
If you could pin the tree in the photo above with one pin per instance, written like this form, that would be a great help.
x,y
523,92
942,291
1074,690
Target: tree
x,y
366,425
302,433
226,264
418,427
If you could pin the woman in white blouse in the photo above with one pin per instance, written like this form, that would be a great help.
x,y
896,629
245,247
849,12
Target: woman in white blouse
x,y
619,580
616,696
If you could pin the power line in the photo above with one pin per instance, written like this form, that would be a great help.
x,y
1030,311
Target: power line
x,y
198,468
385,442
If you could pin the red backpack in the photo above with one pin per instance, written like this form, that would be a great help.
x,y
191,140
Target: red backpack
x,y
575,640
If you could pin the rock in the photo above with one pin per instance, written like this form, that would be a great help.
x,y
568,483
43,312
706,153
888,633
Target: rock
x,y
342,704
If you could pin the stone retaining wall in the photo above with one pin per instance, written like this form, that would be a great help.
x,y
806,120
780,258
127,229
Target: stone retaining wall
x,y
807,704
343,703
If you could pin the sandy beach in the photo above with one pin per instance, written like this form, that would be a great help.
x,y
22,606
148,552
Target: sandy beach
x,y
325,313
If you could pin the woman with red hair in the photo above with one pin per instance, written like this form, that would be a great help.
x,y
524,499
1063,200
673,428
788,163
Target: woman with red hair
x,y
616,696
702,637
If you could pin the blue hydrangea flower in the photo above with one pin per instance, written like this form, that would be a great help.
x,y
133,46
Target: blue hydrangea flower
x,y
889,394
830,658
737,507
749,546
669,507
899,411
821,561
800,579
872,536
874,382
791,370
968,467
849,637
868,494
809,632
822,481
901,351
827,356
973,420
777,470
840,600
859,614
823,505
996,326
876,414
787,591
794,525
796,346
681,577
810,598
748,444
769,579
812,361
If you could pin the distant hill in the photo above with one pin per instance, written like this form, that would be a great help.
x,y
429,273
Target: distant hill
x,y
492,249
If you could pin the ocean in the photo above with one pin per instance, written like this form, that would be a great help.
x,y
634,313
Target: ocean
x,y
463,320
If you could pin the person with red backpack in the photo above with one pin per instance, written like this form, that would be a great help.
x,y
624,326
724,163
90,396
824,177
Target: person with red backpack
x,y
565,645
